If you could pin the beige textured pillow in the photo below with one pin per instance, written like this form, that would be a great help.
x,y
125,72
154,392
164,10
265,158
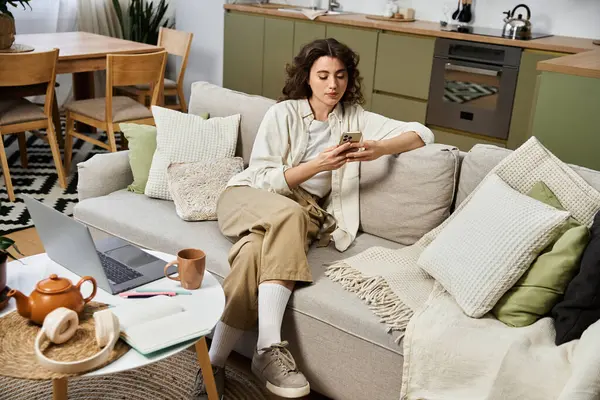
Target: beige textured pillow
x,y
196,187
403,197
185,138
482,252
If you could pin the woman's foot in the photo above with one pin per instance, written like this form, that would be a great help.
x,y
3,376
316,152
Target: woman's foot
x,y
199,392
277,370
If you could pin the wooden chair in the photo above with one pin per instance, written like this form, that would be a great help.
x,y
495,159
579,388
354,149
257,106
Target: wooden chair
x,y
177,43
106,113
18,115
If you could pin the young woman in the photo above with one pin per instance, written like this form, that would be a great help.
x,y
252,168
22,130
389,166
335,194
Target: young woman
x,y
301,185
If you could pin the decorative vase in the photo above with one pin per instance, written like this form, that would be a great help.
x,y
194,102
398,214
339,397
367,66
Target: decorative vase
x,y
7,31
3,291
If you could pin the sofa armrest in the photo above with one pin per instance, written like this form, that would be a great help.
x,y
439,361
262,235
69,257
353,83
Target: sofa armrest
x,y
103,174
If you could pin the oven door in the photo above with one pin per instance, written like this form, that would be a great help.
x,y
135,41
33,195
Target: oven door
x,y
472,97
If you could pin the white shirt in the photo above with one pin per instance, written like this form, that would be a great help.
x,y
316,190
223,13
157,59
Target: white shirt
x,y
319,135
281,143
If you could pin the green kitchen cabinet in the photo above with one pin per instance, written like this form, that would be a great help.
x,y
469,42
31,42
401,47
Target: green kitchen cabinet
x,y
566,118
243,52
404,64
523,105
278,52
363,42
306,32
399,108
463,142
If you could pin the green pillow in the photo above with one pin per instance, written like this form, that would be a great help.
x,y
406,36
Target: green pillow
x,y
545,282
142,145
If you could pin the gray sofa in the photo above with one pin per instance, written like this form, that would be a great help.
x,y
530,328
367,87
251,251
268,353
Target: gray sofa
x,y
338,342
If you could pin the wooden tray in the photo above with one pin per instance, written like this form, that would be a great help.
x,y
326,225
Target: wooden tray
x,y
389,19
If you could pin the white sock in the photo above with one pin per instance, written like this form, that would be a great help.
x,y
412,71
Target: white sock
x,y
224,340
272,299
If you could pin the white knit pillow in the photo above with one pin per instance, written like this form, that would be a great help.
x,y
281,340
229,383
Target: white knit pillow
x,y
489,244
196,187
185,138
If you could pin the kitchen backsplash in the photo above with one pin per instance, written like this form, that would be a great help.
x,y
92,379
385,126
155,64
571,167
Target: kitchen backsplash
x,y
559,17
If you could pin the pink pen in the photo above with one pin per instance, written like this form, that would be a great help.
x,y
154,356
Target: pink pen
x,y
145,294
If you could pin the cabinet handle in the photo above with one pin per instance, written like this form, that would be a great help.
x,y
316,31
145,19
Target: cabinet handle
x,y
479,71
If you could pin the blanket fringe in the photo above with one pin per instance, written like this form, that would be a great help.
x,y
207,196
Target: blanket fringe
x,y
378,295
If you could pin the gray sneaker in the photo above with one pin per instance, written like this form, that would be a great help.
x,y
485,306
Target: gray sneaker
x,y
277,370
199,392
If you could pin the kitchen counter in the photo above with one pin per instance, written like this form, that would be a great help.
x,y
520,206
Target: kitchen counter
x,y
583,64
560,44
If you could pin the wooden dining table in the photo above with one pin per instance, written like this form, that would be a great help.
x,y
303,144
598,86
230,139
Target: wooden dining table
x,y
82,53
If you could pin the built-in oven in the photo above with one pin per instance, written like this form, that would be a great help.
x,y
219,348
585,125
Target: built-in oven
x,y
473,87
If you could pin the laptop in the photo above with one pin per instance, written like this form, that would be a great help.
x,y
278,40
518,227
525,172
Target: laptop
x,y
116,264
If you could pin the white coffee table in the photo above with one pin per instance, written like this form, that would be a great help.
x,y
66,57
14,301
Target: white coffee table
x,y
209,300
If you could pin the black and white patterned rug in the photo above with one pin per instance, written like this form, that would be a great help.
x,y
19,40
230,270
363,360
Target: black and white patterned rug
x,y
39,180
461,92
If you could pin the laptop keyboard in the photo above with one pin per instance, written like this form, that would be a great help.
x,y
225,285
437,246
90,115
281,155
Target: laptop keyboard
x,y
116,271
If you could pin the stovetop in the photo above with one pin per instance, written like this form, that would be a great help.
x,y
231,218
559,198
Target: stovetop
x,y
477,30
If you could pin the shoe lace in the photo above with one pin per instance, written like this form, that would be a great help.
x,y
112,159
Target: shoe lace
x,y
283,357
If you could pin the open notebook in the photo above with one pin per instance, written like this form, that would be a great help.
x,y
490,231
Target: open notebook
x,y
157,323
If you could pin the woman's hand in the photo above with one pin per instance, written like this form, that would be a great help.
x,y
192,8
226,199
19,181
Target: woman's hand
x,y
371,150
332,158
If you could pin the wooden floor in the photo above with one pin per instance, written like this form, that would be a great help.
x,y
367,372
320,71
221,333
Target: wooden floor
x,y
29,244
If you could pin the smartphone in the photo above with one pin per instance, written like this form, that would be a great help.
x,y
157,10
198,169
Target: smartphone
x,y
352,137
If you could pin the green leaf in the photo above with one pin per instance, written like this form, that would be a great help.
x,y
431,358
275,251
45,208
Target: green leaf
x,y
119,12
6,243
144,20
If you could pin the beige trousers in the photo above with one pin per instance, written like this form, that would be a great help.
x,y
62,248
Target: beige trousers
x,y
271,235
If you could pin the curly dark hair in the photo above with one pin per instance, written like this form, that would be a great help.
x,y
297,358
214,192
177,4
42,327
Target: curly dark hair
x,y
298,73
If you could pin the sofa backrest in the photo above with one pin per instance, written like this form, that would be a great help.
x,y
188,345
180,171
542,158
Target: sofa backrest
x,y
221,102
483,157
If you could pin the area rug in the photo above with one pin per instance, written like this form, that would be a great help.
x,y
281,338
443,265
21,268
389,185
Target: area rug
x,y
462,92
172,379
39,180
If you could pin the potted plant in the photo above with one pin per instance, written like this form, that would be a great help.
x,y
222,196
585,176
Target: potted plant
x,y
6,245
142,20
7,22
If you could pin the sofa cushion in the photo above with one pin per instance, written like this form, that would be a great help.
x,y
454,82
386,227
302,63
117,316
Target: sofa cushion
x,y
185,138
403,197
142,145
221,102
483,157
544,283
154,224
196,187
580,307
489,243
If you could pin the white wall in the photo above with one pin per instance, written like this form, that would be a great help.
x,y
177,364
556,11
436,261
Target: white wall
x,y
205,18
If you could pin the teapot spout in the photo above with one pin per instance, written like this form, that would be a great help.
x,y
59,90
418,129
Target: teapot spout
x,y
23,306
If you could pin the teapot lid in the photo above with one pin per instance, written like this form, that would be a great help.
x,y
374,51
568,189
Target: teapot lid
x,y
53,284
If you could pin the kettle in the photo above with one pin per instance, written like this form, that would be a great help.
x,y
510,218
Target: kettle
x,y
517,28
50,294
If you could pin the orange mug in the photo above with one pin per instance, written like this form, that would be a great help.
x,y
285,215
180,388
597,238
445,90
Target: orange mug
x,y
191,264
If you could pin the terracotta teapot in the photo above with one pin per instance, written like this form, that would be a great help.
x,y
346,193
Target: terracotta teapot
x,y
50,294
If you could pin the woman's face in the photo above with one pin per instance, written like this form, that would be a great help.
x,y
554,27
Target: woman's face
x,y
328,80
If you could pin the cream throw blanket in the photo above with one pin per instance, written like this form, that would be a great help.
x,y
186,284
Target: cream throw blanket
x,y
449,355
